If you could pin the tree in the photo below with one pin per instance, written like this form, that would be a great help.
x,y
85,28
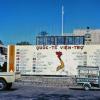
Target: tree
x,y
1,42
23,43
43,33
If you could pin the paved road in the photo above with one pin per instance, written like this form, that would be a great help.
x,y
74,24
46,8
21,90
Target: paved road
x,y
47,93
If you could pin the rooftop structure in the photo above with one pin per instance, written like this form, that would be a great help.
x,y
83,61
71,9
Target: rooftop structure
x,y
60,40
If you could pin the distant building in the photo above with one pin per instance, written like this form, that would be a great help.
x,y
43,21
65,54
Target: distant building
x,y
92,36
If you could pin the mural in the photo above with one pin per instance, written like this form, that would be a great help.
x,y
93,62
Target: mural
x,y
59,54
55,59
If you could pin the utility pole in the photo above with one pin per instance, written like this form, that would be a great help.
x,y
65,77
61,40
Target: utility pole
x,y
62,20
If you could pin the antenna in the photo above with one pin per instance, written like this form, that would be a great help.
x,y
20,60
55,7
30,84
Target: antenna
x,y
62,20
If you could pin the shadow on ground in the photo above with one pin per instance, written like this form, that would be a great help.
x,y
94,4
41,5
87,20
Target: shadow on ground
x,y
53,97
84,90
12,89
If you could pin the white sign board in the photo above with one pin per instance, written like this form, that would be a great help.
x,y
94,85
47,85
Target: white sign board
x,y
55,60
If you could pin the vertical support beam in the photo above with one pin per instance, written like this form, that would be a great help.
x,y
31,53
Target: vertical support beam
x,y
11,58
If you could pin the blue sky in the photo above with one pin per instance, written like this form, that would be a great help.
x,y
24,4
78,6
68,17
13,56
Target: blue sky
x,y
22,20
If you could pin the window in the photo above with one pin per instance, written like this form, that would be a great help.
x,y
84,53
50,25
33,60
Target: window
x,y
60,40
50,40
81,39
3,50
41,41
77,40
87,35
3,67
70,40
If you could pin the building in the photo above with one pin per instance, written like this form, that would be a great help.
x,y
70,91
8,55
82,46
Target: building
x,y
60,40
78,37
92,36
3,50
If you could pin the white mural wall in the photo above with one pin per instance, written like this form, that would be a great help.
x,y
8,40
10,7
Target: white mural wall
x,y
55,60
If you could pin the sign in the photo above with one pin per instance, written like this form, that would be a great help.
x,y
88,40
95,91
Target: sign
x,y
55,59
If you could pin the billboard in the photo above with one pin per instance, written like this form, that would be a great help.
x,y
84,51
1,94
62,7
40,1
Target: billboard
x,y
55,59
